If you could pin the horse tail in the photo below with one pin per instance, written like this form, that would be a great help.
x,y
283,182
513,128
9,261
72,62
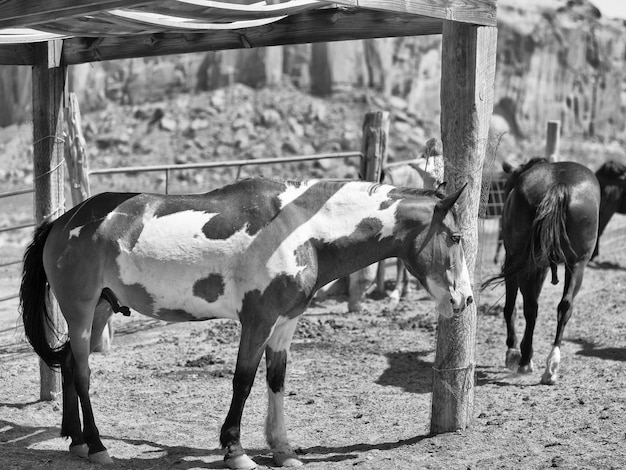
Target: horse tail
x,y
549,229
544,246
34,292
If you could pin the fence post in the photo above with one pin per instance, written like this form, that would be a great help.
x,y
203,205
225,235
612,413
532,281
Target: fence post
x,y
48,85
75,154
553,140
468,63
374,146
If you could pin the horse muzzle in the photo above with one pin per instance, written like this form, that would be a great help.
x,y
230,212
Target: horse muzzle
x,y
456,305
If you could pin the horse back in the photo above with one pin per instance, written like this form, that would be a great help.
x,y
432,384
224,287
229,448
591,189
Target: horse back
x,y
578,191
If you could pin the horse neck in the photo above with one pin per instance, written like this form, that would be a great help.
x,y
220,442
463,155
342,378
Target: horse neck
x,y
368,228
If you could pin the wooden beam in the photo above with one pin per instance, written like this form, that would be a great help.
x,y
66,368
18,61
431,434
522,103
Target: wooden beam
x,y
315,26
467,93
23,13
309,27
49,78
479,12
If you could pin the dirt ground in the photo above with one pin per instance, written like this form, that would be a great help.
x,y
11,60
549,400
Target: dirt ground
x,y
358,386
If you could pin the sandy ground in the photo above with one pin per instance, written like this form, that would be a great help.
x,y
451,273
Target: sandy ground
x,y
358,389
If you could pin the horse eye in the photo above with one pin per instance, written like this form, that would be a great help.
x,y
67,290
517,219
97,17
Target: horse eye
x,y
456,237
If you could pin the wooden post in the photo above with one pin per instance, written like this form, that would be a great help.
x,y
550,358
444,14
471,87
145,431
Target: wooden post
x,y
75,155
49,77
553,140
467,90
374,147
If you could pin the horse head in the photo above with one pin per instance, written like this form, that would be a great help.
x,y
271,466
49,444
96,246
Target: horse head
x,y
436,258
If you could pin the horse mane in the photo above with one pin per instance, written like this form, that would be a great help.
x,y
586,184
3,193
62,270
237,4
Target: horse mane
x,y
404,191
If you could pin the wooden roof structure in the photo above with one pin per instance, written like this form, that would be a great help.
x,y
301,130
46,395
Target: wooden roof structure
x,y
95,30
50,35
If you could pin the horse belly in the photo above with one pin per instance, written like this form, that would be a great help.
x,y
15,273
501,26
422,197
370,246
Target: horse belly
x,y
173,305
174,288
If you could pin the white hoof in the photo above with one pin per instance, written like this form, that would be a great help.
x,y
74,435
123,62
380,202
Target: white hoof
x,y
102,458
287,459
394,299
550,376
80,450
240,462
512,358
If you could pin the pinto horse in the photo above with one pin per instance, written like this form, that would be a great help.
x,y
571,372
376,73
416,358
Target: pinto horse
x,y
550,217
254,251
612,178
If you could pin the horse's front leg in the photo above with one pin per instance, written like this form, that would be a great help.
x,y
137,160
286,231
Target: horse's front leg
x,y
530,288
510,314
573,281
276,354
251,345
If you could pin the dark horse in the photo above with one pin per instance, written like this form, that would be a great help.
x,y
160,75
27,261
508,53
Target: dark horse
x,y
255,251
612,178
550,217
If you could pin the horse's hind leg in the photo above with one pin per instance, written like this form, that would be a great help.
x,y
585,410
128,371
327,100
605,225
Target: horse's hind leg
x,y
251,346
530,288
402,285
510,314
70,425
573,281
276,353
80,322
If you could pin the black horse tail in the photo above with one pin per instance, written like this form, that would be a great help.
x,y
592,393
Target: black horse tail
x,y
34,292
549,230
544,246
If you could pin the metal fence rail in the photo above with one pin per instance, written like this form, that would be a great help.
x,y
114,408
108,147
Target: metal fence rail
x,y
232,163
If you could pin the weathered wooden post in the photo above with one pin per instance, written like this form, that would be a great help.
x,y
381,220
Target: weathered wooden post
x,y
467,85
49,78
553,140
75,153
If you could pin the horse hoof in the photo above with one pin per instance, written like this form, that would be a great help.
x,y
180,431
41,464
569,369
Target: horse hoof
x,y
80,450
101,458
287,459
527,369
549,379
394,300
240,462
512,358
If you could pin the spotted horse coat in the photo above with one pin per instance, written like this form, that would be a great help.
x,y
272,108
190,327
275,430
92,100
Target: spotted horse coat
x,y
254,251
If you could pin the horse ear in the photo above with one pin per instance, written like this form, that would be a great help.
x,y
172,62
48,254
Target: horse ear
x,y
507,167
446,203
